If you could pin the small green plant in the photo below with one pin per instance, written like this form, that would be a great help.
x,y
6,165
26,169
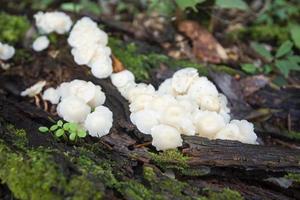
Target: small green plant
x,y
283,59
65,130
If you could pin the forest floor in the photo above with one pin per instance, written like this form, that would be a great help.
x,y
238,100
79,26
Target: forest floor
x,y
123,164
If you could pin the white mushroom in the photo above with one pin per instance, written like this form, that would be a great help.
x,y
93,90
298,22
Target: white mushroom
x,y
202,87
165,137
210,103
34,90
51,95
166,88
139,89
140,102
121,79
183,78
49,22
99,122
73,109
98,99
6,51
145,120
40,43
238,130
208,123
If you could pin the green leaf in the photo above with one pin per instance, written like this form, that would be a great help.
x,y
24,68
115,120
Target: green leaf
x,y
73,127
60,123
66,126
280,81
81,133
43,129
59,133
284,49
261,50
283,66
232,4
267,69
249,68
72,136
53,127
295,34
71,7
184,4
295,59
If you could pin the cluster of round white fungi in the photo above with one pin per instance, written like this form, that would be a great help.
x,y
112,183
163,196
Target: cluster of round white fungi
x,y
184,104
47,23
81,102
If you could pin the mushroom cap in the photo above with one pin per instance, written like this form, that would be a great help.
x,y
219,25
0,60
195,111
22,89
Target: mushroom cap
x,y
34,90
124,90
189,104
86,31
79,88
55,21
166,88
229,132
99,122
183,78
210,103
160,102
6,51
122,78
145,120
40,43
202,87
51,95
140,102
83,54
73,109
98,99
208,123
247,134
165,137
102,68
140,89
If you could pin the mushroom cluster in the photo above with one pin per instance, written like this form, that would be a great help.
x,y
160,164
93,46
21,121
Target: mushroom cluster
x,y
89,47
184,104
6,51
82,102
47,23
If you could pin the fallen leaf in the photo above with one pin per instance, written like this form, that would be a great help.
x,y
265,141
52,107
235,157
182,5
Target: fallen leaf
x,y
205,46
252,84
117,64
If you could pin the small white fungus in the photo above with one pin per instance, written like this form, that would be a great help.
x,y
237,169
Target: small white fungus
x,y
89,48
145,120
99,122
34,90
40,43
121,79
6,51
165,137
73,109
51,95
183,78
49,22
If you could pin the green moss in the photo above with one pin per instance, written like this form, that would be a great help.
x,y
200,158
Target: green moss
x,y
170,159
134,190
293,135
295,177
139,64
149,173
263,33
12,28
19,135
225,194
36,175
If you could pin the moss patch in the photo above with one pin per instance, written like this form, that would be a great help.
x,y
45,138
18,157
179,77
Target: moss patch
x,y
294,177
170,159
12,28
225,194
